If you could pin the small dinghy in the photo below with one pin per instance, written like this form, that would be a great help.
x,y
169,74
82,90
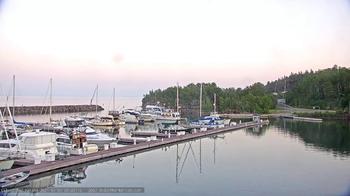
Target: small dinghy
x,y
13,179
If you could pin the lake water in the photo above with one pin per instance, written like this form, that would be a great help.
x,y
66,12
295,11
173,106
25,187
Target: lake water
x,y
284,158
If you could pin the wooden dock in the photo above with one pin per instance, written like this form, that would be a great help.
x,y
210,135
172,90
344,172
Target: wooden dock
x,y
150,134
297,118
123,151
128,141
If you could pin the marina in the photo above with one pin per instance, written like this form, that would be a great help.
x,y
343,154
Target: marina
x,y
177,98
149,145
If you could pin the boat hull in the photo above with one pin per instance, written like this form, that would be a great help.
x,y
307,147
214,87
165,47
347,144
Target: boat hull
x,y
6,164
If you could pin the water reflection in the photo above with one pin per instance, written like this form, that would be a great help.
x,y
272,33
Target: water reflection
x,y
75,175
258,131
331,136
234,163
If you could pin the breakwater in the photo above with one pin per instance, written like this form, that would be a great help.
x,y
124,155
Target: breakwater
x,y
30,110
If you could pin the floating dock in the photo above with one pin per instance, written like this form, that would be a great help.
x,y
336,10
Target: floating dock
x,y
123,151
132,140
301,118
150,134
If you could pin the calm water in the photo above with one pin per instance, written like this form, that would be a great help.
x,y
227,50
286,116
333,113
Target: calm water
x,y
285,158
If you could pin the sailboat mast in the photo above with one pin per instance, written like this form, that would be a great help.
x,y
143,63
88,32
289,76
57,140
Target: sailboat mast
x,y
3,121
13,94
13,123
177,97
200,100
113,99
50,109
96,98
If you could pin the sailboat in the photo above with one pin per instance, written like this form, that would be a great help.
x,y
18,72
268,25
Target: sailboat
x,y
51,125
211,121
114,112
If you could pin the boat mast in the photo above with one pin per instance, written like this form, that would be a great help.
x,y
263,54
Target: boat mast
x,y
214,104
113,99
13,124
96,98
177,97
13,94
3,123
200,100
50,109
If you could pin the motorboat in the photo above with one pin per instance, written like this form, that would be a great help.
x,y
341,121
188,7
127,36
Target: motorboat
x,y
128,118
33,145
6,163
173,128
74,144
74,121
13,179
147,117
103,121
94,137
161,114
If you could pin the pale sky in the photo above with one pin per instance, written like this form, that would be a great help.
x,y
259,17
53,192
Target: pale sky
x,y
139,45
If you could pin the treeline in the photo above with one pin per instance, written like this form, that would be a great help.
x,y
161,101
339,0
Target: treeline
x,y
323,89
254,98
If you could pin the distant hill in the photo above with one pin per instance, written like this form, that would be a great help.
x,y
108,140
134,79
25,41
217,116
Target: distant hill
x,y
324,89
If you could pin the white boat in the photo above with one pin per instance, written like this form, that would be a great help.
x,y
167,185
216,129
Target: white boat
x,y
34,145
13,179
75,144
128,118
75,121
162,115
102,121
6,164
147,117
173,128
97,138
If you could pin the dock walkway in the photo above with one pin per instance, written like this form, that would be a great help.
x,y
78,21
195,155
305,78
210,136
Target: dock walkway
x,y
141,147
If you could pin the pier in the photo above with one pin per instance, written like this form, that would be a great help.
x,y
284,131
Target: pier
x,y
150,134
124,151
31,110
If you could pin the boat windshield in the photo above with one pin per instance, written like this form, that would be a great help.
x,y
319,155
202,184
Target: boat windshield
x,y
7,145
